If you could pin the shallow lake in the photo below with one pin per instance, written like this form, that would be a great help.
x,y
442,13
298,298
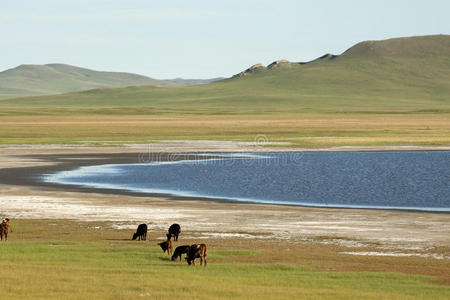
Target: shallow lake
x,y
388,180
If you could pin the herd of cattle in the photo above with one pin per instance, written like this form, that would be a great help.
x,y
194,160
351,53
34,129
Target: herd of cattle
x,y
191,251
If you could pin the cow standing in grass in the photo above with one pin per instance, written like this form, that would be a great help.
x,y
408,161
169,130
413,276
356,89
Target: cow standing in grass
x,y
141,232
167,245
196,251
179,251
4,229
174,230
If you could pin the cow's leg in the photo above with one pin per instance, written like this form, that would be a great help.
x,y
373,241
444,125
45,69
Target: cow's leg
x,y
203,260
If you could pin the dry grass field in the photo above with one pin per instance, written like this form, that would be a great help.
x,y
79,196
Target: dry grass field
x,y
301,130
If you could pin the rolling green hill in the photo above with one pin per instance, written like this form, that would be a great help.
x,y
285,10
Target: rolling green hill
x,y
33,80
392,92
397,75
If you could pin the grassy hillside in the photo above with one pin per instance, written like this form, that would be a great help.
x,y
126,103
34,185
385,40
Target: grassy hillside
x,y
399,75
403,84
31,80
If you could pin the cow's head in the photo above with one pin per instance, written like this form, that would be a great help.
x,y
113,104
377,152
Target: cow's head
x,y
163,246
135,235
188,259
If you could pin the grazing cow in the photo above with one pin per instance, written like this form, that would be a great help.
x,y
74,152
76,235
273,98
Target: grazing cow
x,y
141,232
4,228
167,245
196,251
174,230
179,251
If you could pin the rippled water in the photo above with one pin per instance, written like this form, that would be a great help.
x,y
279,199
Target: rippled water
x,y
394,180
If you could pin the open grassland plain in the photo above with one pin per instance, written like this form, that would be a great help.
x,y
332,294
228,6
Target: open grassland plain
x,y
292,130
63,259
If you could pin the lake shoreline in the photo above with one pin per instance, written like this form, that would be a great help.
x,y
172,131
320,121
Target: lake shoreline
x,y
24,197
31,176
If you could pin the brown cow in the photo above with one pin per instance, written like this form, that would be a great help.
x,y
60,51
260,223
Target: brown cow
x,y
4,228
196,251
167,245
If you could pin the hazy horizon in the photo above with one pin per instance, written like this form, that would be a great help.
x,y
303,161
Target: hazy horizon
x,y
201,39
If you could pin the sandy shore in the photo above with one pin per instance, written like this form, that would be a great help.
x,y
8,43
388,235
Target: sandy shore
x,y
390,233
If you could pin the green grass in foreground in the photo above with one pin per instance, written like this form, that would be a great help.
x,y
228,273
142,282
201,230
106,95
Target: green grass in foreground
x,y
63,259
69,270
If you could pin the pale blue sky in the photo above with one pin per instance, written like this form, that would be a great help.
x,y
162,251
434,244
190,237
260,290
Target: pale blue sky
x,y
201,39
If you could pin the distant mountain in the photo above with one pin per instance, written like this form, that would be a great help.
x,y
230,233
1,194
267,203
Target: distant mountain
x,y
35,80
399,75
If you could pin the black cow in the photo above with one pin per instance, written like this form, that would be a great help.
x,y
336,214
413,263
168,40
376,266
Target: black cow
x,y
174,230
141,232
179,251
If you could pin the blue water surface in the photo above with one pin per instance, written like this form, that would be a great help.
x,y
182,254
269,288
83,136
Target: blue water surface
x,y
391,180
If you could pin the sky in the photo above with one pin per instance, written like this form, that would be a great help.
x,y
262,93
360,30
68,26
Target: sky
x,y
201,39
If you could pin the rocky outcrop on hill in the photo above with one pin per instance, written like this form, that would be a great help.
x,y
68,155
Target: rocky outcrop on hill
x,y
252,69
278,63
328,56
